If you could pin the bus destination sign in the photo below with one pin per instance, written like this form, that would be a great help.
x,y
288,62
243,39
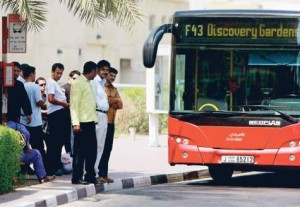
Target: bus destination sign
x,y
239,30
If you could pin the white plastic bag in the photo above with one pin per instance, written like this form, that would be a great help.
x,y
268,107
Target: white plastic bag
x,y
67,160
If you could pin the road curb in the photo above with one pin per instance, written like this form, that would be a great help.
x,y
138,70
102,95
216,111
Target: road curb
x,y
84,191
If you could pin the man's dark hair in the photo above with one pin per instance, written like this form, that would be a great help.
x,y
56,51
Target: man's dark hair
x,y
74,72
57,65
113,70
89,67
27,70
16,64
23,66
103,63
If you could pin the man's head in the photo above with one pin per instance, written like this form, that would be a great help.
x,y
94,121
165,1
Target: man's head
x,y
89,70
73,75
17,70
42,83
28,72
57,71
112,74
102,68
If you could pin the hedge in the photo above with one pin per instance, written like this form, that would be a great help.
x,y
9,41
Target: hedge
x,y
10,152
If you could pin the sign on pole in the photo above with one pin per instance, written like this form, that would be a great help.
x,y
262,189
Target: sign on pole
x,y
8,75
16,34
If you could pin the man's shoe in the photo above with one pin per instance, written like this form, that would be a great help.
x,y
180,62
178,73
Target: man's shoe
x,y
47,179
109,180
101,179
81,182
95,181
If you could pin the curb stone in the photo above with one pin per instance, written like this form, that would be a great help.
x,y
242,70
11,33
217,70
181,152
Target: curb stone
x,y
84,191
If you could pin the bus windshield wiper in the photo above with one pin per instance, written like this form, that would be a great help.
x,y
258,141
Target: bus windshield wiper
x,y
207,113
282,115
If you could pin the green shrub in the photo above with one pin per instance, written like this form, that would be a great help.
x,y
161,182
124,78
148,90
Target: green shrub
x,y
10,151
163,123
133,112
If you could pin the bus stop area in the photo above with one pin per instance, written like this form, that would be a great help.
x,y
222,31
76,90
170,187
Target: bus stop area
x,y
133,163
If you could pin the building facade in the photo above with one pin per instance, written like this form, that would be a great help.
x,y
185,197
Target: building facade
x,y
67,40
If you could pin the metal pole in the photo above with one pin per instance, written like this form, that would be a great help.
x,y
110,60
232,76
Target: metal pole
x,y
4,60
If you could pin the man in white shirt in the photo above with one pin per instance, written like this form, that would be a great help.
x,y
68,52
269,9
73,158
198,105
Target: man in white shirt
x,y
21,74
102,108
59,121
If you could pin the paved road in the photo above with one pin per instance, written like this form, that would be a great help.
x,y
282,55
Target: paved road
x,y
132,163
255,190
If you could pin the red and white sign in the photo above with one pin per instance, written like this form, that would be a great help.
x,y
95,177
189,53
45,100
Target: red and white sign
x,y
16,34
8,75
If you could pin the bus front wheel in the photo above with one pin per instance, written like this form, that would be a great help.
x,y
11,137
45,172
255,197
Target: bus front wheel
x,y
220,174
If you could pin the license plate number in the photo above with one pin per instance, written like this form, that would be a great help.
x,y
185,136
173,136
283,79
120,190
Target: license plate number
x,y
237,159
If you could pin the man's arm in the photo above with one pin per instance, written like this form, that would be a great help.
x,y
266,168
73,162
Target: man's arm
x,y
118,100
75,98
25,102
54,101
38,96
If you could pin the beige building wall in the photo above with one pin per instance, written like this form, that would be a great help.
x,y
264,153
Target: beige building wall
x,y
67,40
251,4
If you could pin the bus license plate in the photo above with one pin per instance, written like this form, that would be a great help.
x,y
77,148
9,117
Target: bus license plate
x,y
238,159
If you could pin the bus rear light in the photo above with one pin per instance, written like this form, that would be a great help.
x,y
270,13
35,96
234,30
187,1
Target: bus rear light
x,y
185,155
292,157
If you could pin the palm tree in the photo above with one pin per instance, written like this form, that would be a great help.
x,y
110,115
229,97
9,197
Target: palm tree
x,y
124,13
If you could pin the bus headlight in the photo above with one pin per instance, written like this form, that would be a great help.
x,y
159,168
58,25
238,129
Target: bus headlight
x,y
292,144
185,141
292,157
185,155
178,140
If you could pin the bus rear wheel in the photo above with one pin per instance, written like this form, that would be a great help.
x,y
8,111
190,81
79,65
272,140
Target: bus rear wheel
x,y
220,174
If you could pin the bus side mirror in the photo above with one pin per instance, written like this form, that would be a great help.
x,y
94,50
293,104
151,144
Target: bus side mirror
x,y
151,44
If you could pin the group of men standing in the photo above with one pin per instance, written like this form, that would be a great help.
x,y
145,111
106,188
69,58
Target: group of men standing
x,y
93,99
93,104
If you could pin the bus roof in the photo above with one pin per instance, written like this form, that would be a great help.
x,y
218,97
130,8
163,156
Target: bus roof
x,y
237,13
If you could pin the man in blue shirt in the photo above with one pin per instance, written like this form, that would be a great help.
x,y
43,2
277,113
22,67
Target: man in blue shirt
x,y
35,126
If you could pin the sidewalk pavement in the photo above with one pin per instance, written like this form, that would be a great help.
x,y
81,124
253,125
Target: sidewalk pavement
x,y
133,163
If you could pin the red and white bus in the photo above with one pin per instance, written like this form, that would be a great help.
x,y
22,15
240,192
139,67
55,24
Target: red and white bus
x,y
234,89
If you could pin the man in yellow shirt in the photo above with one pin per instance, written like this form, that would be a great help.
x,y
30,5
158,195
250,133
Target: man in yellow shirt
x,y
84,118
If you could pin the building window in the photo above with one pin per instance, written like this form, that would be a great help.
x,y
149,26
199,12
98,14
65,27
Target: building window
x,y
125,64
151,21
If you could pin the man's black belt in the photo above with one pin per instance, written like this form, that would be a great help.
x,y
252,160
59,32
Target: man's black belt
x,y
101,111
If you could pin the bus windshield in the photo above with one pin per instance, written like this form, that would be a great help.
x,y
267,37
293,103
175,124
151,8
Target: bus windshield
x,y
211,78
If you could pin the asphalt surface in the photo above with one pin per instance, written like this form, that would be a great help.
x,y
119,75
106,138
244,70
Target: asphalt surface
x,y
134,163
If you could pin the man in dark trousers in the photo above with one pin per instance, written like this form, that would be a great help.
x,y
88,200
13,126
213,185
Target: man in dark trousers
x,y
66,88
115,103
84,118
58,120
